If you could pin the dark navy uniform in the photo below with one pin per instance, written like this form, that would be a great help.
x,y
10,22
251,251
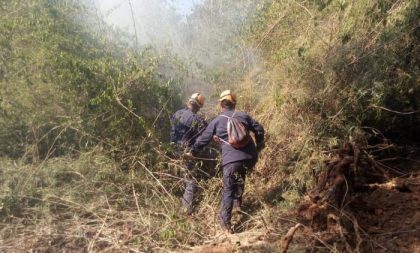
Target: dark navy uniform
x,y
186,126
235,162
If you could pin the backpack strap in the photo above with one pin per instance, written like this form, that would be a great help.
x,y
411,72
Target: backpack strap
x,y
225,142
228,116
221,139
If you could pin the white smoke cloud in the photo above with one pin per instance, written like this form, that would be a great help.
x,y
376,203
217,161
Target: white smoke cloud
x,y
203,32
158,23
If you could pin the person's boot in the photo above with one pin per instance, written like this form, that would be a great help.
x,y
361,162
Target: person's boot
x,y
187,208
226,227
236,207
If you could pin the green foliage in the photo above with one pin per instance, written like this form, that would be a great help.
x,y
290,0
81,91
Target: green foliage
x,y
80,110
332,68
347,57
65,82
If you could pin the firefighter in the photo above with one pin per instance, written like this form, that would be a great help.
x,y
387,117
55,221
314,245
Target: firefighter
x,y
235,161
186,125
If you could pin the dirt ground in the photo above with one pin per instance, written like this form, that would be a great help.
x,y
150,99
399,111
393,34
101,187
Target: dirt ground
x,y
358,205
390,217
363,205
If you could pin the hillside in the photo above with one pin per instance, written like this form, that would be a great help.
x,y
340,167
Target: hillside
x,y
85,160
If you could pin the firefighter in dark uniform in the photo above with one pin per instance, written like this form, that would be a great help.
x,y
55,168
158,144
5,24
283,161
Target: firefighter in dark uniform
x,y
186,125
235,161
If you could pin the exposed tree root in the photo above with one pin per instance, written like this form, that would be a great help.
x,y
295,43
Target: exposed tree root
x,y
358,203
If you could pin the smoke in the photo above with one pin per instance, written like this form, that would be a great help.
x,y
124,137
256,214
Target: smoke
x,y
154,23
207,34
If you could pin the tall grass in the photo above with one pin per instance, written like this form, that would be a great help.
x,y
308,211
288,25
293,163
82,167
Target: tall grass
x,y
332,70
89,203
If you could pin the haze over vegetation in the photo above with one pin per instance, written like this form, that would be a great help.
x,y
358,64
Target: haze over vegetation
x,y
85,100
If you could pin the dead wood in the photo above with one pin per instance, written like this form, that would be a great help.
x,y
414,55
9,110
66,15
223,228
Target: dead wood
x,y
285,241
394,184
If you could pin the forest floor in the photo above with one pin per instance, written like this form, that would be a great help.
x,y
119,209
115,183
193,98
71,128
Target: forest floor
x,y
388,220
358,205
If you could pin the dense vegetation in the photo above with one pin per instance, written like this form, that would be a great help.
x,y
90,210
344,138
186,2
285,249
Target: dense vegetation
x,y
63,77
335,69
84,112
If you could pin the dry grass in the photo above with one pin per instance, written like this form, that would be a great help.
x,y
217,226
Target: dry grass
x,y
89,204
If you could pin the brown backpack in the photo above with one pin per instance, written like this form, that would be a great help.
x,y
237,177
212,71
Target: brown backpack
x,y
238,134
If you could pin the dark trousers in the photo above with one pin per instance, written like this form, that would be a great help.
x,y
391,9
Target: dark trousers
x,y
190,186
233,187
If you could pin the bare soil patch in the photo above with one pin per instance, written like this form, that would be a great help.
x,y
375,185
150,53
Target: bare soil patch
x,y
362,205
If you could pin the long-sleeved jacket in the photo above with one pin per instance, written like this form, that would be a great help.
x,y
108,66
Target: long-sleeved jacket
x,y
218,126
186,126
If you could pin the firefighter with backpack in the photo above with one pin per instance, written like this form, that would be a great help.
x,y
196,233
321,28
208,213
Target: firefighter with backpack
x,y
239,152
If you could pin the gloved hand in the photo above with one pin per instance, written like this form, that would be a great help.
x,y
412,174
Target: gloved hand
x,y
188,155
216,139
